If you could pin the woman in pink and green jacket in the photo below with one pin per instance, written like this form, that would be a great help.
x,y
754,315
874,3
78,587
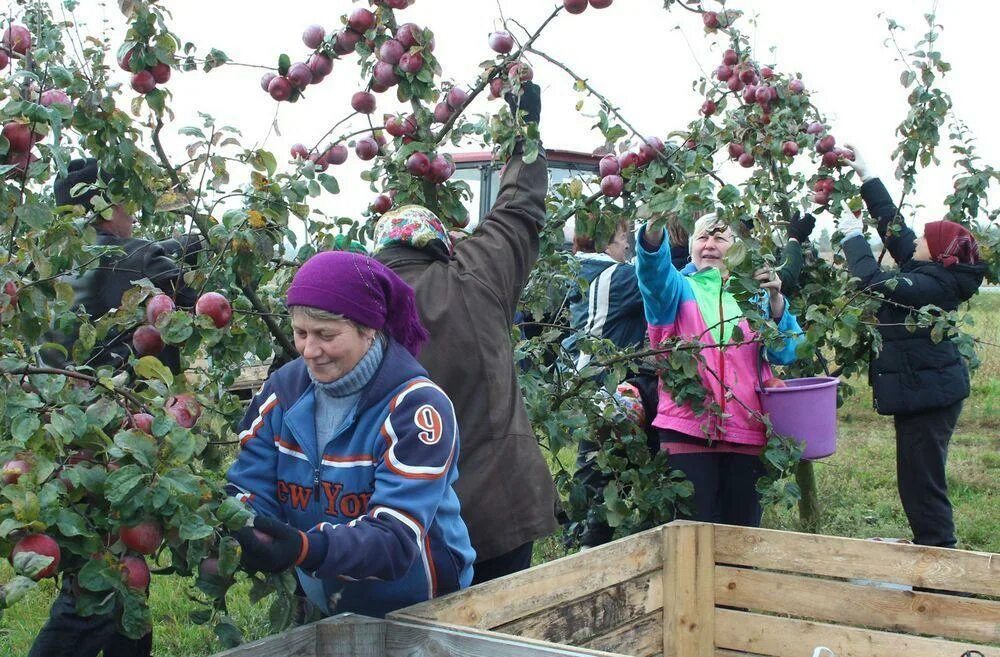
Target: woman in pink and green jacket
x,y
718,452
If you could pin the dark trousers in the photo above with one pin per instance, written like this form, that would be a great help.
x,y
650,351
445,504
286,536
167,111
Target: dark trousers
x,y
725,487
514,561
67,634
921,456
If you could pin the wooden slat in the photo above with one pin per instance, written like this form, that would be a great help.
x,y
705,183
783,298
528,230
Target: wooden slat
x,y
721,652
643,637
299,642
938,568
785,637
580,620
350,635
688,590
433,640
509,598
948,616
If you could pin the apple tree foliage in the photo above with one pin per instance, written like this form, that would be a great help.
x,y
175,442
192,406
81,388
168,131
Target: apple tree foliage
x,y
94,469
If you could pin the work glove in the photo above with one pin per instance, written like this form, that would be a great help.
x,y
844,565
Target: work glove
x,y
271,546
530,102
859,164
850,225
800,227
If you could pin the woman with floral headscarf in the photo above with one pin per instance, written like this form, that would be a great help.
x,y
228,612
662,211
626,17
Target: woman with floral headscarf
x,y
349,453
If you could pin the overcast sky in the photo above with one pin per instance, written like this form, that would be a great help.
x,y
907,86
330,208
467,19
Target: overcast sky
x,y
636,53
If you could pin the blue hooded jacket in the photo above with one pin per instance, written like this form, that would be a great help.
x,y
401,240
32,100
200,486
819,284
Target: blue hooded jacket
x,y
381,490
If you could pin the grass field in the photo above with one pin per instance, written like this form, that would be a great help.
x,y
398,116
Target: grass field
x,y
857,488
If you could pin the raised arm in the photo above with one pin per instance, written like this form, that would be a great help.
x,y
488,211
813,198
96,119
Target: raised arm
x,y
660,284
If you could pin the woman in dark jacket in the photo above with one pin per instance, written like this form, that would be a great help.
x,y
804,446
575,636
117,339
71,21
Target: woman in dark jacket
x,y
918,380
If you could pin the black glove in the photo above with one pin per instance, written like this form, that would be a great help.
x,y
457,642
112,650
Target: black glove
x,y
801,227
271,546
530,102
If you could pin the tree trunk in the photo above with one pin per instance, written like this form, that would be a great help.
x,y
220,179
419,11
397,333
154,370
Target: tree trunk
x,y
809,510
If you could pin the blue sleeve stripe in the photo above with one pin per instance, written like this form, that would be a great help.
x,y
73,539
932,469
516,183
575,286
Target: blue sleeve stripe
x,y
422,543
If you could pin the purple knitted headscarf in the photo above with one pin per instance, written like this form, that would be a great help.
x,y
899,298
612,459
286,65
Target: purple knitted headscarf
x,y
362,289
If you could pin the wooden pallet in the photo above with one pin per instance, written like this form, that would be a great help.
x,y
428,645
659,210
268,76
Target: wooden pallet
x,y
701,590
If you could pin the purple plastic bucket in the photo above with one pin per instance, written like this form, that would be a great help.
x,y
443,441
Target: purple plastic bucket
x,y
806,410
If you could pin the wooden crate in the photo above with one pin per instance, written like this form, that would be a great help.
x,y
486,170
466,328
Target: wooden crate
x,y
348,635
701,590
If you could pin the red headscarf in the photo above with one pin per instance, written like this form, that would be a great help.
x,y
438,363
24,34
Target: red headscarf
x,y
951,243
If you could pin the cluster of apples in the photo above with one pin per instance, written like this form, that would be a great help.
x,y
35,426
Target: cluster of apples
x,y
579,6
145,79
146,339
614,169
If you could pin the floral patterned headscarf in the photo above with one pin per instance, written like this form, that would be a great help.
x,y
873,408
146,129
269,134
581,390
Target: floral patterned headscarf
x,y
410,225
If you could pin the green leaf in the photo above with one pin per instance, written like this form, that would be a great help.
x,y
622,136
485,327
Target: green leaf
x,y
150,367
175,327
284,63
15,590
30,564
71,523
24,426
729,195
98,575
139,445
229,557
193,527
121,483
329,183
280,613
229,635
233,514
137,620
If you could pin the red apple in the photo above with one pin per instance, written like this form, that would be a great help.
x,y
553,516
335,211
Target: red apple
x,y
158,305
456,98
280,88
366,149
20,137
320,65
142,421
608,166
363,102
831,159
418,165
407,34
611,186
708,108
411,62
735,150
600,4
815,128
300,75
796,86
627,160
746,160
336,154
10,289
313,36
766,72
735,83
300,152
730,57
496,87
51,97
575,6
42,544
381,204
146,341
762,95
265,80
748,75
4,59
723,73
650,148
774,382
184,409
136,572
442,112
391,51
710,19
160,72
821,198
208,568
825,144
346,41
501,42
384,76
12,470
361,20
790,149
216,306
441,169
520,70
21,161
17,38
144,537
143,82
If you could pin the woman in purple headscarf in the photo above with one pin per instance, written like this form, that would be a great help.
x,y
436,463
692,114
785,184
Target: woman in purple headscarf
x,y
349,453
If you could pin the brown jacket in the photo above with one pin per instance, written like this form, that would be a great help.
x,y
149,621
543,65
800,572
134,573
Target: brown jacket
x,y
468,306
